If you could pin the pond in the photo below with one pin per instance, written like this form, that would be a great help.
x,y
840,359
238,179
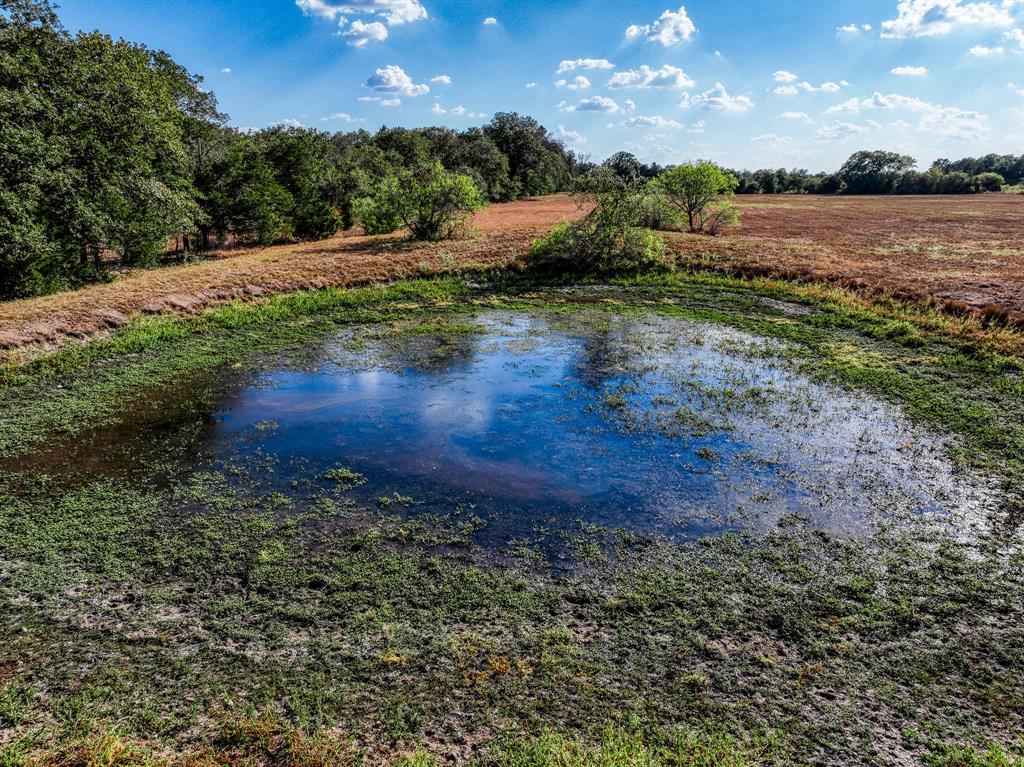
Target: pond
x,y
524,424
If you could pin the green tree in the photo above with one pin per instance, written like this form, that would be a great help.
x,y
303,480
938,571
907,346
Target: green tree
x,y
701,191
430,201
537,163
874,172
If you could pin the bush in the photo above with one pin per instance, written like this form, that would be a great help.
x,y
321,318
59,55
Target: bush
x,y
609,239
431,202
988,182
588,247
656,211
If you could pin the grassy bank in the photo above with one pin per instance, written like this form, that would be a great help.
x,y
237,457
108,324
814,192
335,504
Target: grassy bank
x,y
155,616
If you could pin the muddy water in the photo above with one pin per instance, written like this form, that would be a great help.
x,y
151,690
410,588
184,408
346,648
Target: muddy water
x,y
533,423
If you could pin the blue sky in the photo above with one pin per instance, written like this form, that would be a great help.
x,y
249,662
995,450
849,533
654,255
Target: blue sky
x,y
746,83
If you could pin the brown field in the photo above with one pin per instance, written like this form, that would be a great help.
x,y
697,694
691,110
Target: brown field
x,y
964,254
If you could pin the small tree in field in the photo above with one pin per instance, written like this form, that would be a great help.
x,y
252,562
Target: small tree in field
x,y
431,202
701,191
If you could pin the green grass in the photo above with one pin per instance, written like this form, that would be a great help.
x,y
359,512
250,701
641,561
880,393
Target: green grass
x,y
152,615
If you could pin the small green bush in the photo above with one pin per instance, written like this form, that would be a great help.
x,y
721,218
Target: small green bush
x,y
656,211
428,200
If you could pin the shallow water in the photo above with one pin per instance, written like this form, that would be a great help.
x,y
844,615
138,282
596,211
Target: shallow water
x,y
650,424
533,423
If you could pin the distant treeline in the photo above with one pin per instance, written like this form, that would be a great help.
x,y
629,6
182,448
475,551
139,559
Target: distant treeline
x,y
866,172
108,148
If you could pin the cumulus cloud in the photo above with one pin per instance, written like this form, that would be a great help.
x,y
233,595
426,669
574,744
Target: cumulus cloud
x,y
578,83
359,33
288,122
652,121
390,102
569,65
697,127
927,18
802,116
595,104
945,122
490,21
342,116
838,131
226,70
852,29
671,28
826,87
717,99
393,79
785,90
984,52
532,85
909,71
441,80
783,76
667,76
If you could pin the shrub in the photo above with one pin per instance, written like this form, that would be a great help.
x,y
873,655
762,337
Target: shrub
x,y
988,182
609,239
697,191
431,202
656,211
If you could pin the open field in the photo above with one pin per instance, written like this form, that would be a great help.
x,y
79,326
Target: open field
x,y
965,253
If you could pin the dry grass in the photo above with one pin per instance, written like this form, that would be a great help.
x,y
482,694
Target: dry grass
x,y
503,232
963,254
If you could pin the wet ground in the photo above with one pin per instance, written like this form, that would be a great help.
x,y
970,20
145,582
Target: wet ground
x,y
522,425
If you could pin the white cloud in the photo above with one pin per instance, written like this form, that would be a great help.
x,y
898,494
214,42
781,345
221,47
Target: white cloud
x,y
783,76
671,28
359,34
1016,36
697,127
441,80
288,122
1015,88
826,87
532,85
342,116
984,52
802,116
945,122
390,102
393,79
717,99
579,83
773,139
595,104
865,27
909,71
438,109
369,98
852,29
226,70
490,21
838,131
570,135
667,76
927,18
568,65
652,121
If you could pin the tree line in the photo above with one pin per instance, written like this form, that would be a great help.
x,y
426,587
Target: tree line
x,y
109,148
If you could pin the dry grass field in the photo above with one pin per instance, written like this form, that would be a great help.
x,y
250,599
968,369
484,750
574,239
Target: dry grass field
x,y
964,254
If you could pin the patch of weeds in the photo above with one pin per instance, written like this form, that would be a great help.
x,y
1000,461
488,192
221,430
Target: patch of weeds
x,y
344,476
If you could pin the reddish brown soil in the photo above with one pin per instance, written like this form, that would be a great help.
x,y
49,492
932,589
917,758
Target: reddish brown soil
x,y
503,232
965,254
